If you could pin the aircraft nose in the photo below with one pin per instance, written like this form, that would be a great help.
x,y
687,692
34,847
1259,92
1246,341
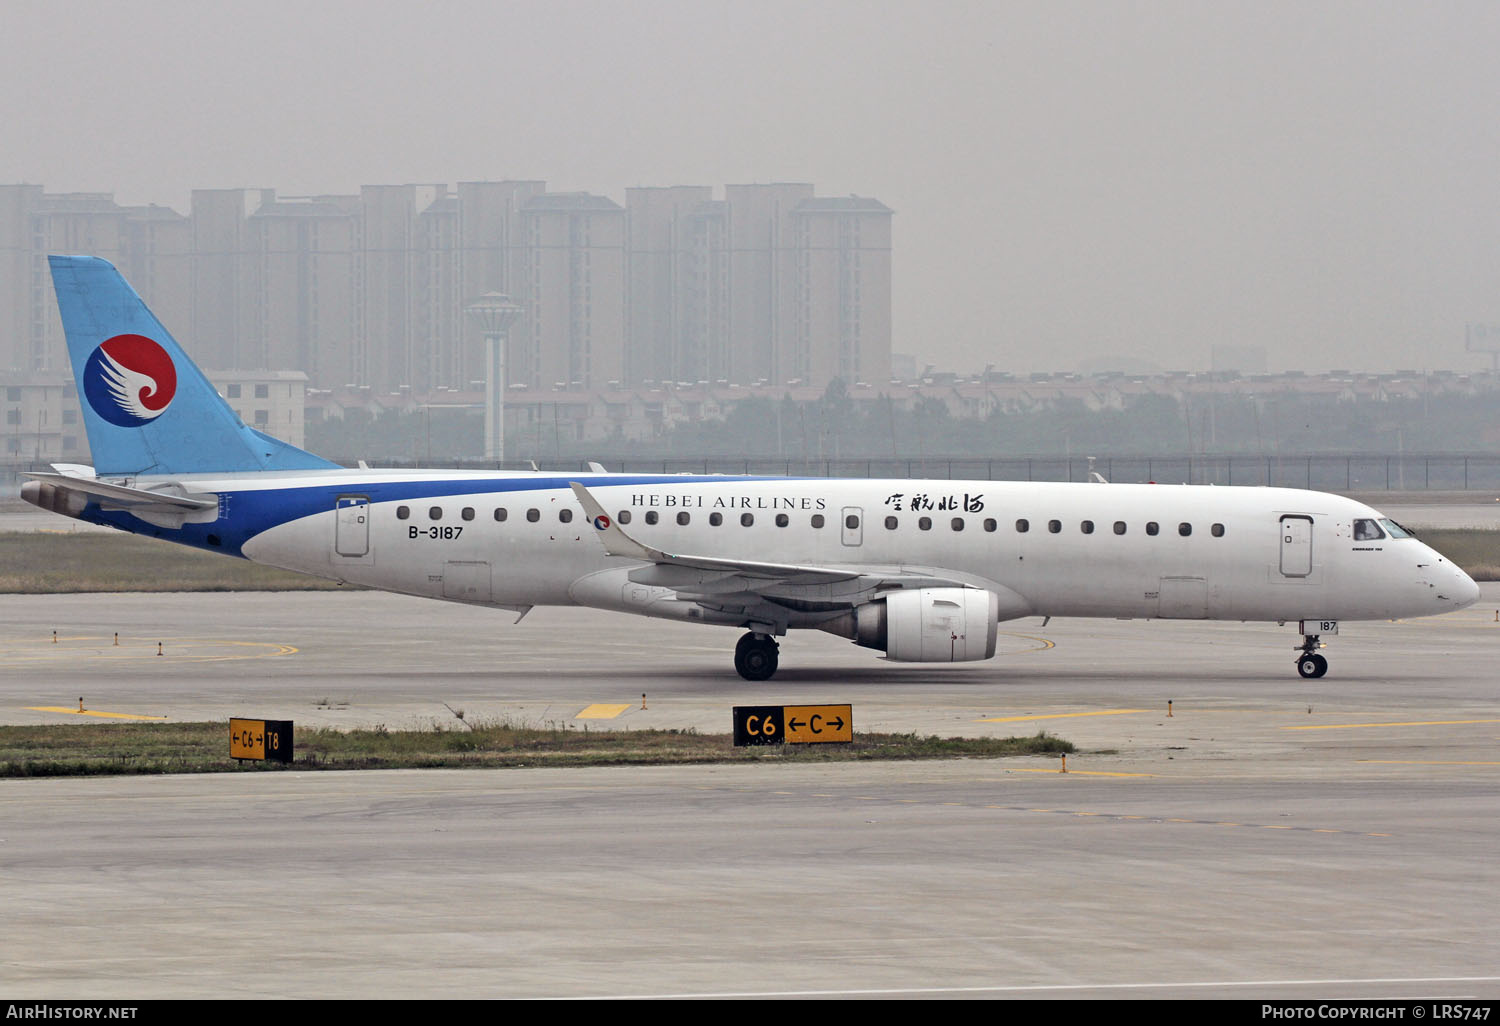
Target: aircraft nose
x,y
1465,591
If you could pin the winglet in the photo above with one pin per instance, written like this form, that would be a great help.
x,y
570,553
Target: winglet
x,y
616,542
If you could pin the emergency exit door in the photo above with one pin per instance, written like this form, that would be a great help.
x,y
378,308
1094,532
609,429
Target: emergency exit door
x,y
853,526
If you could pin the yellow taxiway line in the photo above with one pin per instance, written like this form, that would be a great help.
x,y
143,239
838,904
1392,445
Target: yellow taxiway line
x,y
601,712
91,712
1076,772
1414,723
1061,716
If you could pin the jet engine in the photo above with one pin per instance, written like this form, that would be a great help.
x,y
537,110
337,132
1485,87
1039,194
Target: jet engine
x,y
926,625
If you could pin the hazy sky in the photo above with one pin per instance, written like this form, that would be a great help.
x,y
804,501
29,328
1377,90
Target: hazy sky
x,y
1072,181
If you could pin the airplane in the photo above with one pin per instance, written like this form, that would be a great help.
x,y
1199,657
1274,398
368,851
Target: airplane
x,y
923,570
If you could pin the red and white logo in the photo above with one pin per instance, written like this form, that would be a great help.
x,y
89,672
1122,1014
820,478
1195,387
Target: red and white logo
x,y
129,380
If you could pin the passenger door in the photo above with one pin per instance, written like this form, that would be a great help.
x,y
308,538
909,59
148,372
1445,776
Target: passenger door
x,y
1296,545
351,531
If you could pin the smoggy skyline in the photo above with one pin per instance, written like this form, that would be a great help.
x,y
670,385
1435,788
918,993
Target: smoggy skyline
x,y
1074,184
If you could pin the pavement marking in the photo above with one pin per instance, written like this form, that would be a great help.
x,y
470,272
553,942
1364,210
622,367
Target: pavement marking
x,y
1079,813
1414,723
1060,716
91,712
1426,762
1042,647
89,647
601,712
1042,988
1079,773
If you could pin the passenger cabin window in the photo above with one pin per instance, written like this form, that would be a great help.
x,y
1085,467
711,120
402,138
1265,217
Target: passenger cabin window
x,y
1119,527
435,513
782,520
501,513
1184,529
746,519
403,512
468,513
958,523
817,520
1367,530
565,516
1217,531
683,518
852,522
925,523
990,524
652,516
715,519
624,516
1022,526
891,523
533,515
1054,526
1087,527
1152,527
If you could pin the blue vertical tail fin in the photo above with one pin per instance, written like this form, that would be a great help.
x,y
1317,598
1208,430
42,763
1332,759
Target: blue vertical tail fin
x,y
147,408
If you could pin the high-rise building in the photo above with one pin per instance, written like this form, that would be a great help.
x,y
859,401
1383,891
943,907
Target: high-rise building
x,y
302,280
659,254
573,292
763,281
389,334
23,282
770,284
223,332
844,307
704,273
151,245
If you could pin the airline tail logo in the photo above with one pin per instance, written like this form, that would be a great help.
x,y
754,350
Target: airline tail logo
x,y
129,380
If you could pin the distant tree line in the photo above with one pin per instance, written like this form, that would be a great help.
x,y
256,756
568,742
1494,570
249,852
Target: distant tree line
x,y
837,427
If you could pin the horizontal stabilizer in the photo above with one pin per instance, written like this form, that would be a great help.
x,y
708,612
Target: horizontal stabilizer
x,y
122,496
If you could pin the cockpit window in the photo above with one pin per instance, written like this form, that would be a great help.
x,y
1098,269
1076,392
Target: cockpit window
x,y
1367,530
1395,530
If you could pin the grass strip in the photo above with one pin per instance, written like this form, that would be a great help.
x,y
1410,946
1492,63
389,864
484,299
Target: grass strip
x,y
44,563
92,749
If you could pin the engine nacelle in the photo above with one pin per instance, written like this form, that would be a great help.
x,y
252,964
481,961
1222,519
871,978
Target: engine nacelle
x,y
926,625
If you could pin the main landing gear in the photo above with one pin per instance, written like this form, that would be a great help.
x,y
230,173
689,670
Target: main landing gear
x,y
755,657
1310,663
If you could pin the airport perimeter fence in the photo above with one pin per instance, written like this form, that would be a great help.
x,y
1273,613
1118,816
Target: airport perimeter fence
x,y
1327,473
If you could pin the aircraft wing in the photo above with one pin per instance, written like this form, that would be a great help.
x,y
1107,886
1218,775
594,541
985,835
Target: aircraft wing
x,y
712,577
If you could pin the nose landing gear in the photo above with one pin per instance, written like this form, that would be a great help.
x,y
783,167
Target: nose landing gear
x,y
1310,663
756,656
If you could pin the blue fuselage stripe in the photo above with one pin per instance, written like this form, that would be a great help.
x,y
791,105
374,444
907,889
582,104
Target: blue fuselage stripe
x,y
246,513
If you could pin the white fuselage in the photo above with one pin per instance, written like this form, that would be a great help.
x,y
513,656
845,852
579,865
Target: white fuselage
x,y
1154,550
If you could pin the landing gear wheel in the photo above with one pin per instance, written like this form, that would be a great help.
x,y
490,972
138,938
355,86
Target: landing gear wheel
x,y
756,657
1309,663
1312,665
